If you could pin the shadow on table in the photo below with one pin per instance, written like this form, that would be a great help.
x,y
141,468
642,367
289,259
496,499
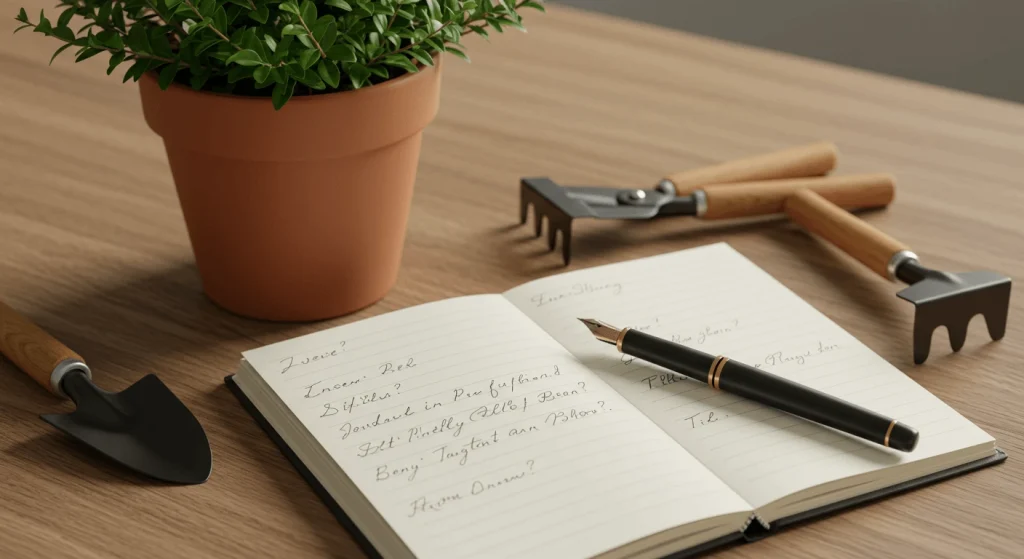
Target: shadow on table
x,y
259,457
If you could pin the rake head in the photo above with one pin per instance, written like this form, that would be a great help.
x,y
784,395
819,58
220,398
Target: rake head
x,y
952,300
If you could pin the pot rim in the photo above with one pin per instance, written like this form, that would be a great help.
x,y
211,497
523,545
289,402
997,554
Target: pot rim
x,y
321,97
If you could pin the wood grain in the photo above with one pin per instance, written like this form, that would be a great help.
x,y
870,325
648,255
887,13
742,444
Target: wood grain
x,y
854,236
801,161
95,250
31,349
865,190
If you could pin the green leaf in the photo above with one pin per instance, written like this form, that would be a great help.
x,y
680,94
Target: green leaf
x,y
271,43
261,74
245,57
293,29
261,15
206,8
87,52
137,39
220,19
205,45
65,17
68,36
199,80
237,73
282,93
308,12
107,38
290,7
402,62
115,59
534,5
341,53
479,30
167,75
136,70
341,4
117,17
380,21
308,58
243,3
283,47
60,50
158,40
421,55
192,27
328,36
103,16
380,71
22,16
171,3
305,40
312,80
357,74
458,53
328,70
44,24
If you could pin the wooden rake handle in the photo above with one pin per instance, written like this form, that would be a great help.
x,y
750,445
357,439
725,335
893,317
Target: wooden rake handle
x,y
34,351
726,201
804,161
855,237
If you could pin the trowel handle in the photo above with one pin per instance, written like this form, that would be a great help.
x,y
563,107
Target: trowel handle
x,y
805,161
748,199
37,353
872,247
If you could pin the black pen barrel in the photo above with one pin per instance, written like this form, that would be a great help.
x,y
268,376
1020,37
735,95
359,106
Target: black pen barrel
x,y
674,357
771,390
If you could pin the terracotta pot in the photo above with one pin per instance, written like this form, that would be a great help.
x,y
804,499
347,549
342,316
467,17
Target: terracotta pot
x,y
297,214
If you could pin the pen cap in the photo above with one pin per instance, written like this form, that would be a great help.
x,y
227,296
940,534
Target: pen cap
x,y
903,437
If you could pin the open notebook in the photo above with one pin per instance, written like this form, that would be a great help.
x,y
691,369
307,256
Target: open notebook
x,y
496,426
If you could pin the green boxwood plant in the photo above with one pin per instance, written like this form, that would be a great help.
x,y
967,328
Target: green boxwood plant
x,y
273,47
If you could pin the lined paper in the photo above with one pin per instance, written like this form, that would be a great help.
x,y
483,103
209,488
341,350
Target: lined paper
x,y
714,299
475,434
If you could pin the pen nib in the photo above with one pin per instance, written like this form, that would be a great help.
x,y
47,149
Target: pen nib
x,y
604,332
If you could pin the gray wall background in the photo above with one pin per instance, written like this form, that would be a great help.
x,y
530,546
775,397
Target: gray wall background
x,y
973,45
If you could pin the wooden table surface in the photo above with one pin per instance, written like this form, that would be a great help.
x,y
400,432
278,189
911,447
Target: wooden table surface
x,y
93,247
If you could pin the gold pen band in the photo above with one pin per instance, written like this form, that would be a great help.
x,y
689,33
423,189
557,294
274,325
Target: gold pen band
x,y
715,371
622,336
888,432
718,373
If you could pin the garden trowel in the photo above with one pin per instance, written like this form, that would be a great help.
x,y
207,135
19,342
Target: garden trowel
x,y
145,427
940,298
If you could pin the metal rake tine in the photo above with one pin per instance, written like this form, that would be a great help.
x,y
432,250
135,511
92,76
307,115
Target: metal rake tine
x,y
996,315
566,243
957,335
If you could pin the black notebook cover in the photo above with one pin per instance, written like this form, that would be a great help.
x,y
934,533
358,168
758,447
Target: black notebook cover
x,y
753,532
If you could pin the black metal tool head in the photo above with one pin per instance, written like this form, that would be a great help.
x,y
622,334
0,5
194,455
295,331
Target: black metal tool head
x,y
145,427
562,204
952,300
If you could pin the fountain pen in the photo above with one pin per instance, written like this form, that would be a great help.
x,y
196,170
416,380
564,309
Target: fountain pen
x,y
722,373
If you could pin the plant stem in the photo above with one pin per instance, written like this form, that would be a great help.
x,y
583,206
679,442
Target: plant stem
x,y
311,37
211,27
179,31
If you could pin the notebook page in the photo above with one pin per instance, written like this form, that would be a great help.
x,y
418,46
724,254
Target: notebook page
x,y
475,434
714,299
